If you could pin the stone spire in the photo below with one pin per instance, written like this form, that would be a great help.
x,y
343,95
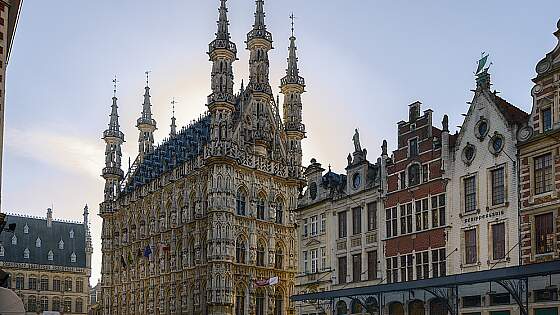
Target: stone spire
x,y
112,172
146,124
259,43
223,23
293,86
173,125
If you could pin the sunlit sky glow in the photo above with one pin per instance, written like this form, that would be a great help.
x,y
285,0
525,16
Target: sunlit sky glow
x,y
363,61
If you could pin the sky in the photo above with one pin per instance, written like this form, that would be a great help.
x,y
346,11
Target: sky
x,y
364,61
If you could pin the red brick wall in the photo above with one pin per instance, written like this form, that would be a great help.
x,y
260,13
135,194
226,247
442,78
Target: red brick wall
x,y
415,242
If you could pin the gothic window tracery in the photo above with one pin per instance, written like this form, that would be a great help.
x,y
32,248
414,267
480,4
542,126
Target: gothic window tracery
x,y
279,210
241,201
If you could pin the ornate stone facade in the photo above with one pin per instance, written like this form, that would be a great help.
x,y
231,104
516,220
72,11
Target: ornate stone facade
x,y
198,219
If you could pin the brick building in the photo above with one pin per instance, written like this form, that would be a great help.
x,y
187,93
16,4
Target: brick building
x,y
539,154
416,212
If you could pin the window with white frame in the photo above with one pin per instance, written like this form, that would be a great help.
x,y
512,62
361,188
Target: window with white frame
x,y
471,248
392,269
422,213
543,173
314,260
391,221
323,222
438,263
422,265
50,255
413,147
313,225
305,228
406,218
469,188
498,186
438,210
372,216
73,257
26,253
402,180
26,229
14,240
546,119
305,262
407,268
425,173
324,258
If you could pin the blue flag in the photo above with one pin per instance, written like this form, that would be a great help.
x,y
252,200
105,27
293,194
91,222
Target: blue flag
x,y
147,251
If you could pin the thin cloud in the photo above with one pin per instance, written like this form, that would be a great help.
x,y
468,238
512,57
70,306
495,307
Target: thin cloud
x,y
62,151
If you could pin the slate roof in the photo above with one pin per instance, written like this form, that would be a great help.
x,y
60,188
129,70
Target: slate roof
x,y
174,151
50,237
512,114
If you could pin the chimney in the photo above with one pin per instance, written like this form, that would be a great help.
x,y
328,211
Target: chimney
x,y
49,217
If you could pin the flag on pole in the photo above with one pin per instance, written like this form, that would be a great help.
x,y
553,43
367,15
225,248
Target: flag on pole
x,y
266,282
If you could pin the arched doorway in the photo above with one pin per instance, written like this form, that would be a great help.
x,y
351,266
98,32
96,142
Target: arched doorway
x,y
356,307
438,307
396,308
416,307
372,307
341,308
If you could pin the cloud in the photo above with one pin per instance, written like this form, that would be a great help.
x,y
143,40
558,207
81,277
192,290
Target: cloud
x,y
62,151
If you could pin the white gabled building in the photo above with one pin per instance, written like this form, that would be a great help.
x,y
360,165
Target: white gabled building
x,y
484,188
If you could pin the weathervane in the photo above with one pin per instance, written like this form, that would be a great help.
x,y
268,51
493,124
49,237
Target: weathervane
x,y
482,63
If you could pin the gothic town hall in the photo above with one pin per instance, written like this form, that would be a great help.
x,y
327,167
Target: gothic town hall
x,y
202,223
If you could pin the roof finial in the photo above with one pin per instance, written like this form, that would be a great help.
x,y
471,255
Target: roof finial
x,y
292,17
115,81
173,126
147,77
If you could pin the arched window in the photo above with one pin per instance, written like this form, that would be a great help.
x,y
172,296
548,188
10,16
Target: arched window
x,y
416,307
259,302
278,300
260,255
26,229
79,305
73,257
437,307
14,240
26,253
278,258
31,304
341,308
56,304
260,208
279,211
44,303
396,308
61,244
38,242
356,307
413,174
241,201
240,251
72,233
240,301
50,255
67,305
19,282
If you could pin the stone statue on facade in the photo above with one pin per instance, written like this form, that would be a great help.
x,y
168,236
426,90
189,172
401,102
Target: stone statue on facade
x,y
356,140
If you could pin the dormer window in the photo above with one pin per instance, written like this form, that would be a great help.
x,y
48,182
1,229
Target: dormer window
x,y
38,242
1,251
72,233
14,240
546,119
61,244
26,253
73,257
50,255
26,229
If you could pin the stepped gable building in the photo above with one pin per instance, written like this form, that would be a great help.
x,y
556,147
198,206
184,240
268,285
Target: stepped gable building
x,y
338,228
49,262
539,155
484,183
198,219
417,211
